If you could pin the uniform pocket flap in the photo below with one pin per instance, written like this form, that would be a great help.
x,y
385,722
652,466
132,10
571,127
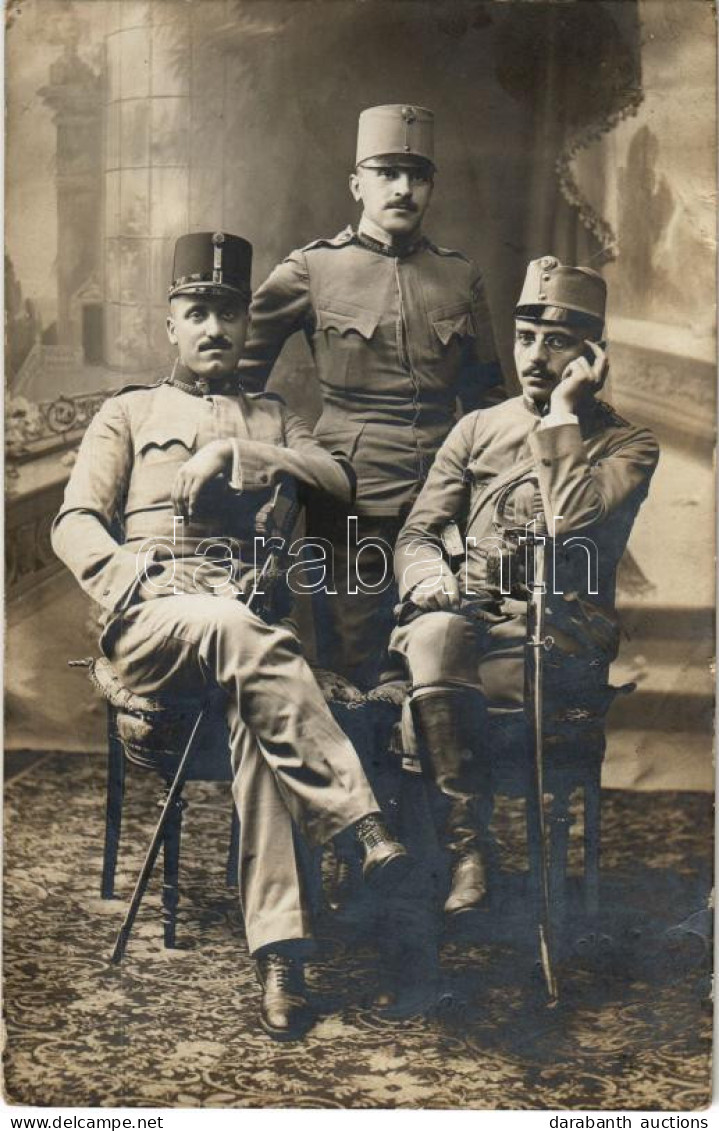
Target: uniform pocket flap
x,y
449,322
348,320
164,433
341,441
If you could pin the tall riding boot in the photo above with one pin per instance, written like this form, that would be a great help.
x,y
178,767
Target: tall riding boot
x,y
449,722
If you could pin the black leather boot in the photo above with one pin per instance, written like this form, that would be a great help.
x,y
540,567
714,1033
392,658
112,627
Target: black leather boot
x,y
386,861
449,722
285,1014
465,841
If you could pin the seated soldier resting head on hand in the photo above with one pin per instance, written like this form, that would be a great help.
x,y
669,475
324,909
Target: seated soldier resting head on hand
x,y
554,458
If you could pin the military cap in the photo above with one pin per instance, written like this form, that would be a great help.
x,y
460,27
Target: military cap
x,y
211,263
557,293
403,130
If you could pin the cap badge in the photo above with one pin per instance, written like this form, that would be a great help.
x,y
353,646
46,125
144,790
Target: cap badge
x,y
410,118
218,239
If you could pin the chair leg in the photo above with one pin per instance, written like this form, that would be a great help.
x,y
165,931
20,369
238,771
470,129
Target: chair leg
x,y
233,854
113,806
592,832
171,860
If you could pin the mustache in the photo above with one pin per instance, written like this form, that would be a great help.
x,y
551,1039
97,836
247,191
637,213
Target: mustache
x,y
405,205
215,344
536,371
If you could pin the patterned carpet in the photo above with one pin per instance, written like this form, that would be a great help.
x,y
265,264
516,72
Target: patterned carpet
x,y
178,1028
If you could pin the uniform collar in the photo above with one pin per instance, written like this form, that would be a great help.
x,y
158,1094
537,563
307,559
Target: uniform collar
x,y
591,414
372,237
183,378
531,406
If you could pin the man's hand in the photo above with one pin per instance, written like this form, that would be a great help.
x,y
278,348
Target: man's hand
x,y
437,594
581,378
212,460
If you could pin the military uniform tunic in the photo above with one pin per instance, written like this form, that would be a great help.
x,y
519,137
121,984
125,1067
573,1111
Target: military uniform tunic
x,y
498,471
186,629
396,339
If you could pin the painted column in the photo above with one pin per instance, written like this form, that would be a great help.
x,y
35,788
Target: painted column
x,y
164,161
74,95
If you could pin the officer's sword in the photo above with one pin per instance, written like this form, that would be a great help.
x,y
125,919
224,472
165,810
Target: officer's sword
x,y
537,643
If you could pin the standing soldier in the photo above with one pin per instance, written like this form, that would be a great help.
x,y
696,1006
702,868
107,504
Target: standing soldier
x,y
399,329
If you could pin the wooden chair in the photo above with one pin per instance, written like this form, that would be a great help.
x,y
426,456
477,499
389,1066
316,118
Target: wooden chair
x,y
123,745
574,748
160,735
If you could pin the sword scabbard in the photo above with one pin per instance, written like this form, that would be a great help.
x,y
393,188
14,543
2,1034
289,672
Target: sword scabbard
x,y
537,644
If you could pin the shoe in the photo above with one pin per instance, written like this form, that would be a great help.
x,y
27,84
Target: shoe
x,y
468,891
384,998
285,1014
386,861
427,996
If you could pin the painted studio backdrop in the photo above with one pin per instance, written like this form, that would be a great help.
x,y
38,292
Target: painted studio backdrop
x,y
582,130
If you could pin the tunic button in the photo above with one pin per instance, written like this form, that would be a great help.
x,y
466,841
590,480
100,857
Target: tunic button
x,y
262,477
547,462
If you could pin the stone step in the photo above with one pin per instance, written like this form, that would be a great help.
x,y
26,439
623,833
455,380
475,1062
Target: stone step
x,y
668,652
673,711
645,759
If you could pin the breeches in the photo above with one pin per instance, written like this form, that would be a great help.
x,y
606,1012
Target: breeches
x,y
487,653
451,649
291,762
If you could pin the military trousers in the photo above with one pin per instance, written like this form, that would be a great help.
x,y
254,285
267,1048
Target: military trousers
x,y
354,618
292,765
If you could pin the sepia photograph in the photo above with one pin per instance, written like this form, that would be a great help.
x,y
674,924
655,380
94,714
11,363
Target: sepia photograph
x,y
360,398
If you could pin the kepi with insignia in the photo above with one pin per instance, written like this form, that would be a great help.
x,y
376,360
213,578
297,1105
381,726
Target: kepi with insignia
x,y
397,130
211,263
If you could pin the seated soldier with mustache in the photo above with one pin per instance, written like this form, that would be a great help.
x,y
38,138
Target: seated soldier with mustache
x,y
556,455
196,447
